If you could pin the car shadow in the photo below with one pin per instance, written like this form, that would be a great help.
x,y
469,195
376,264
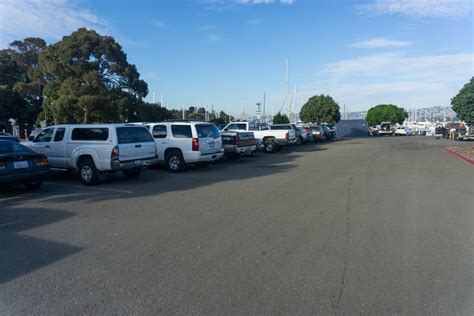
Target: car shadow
x,y
21,254
64,187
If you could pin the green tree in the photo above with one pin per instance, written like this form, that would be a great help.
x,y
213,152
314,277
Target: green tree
x,y
10,73
220,118
320,109
11,103
386,113
463,103
13,106
25,54
281,119
21,80
90,80
152,112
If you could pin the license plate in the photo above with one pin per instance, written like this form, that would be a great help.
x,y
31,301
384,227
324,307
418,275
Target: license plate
x,y
20,164
211,145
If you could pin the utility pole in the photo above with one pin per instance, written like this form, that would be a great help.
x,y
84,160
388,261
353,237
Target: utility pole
x,y
184,113
287,85
161,99
291,115
264,118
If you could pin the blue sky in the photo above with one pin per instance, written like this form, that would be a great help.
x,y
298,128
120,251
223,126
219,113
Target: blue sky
x,y
228,52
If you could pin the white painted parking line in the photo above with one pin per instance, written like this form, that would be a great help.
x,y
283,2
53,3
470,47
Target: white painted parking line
x,y
90,188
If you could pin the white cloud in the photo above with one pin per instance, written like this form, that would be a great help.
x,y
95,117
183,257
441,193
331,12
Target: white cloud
x,y
219,5
436,8
394,78
216,38
254,21
451,65
158,23
249,2
207,27
253,1
380,43
49,19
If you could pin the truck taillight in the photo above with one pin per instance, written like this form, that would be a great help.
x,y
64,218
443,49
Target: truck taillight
x,y
3,165
287,135
115,153
237,140
195,144
43,162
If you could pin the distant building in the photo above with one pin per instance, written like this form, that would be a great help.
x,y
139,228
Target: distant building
x,y
352,128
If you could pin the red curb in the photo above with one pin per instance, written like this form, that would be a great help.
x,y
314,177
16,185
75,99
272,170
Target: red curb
x,y
462,156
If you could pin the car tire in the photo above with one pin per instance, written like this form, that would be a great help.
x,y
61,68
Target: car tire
x,y
174,161
134,173
34,185
88,172
299,141
270,147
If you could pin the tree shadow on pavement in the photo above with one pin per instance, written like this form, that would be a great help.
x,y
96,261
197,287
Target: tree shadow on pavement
x,y
21,254
66,187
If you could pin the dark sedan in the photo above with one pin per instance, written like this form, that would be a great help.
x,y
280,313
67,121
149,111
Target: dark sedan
x,y
12,138
21,165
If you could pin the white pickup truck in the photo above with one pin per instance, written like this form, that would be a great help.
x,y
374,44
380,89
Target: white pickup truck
x,y
94,149
270,139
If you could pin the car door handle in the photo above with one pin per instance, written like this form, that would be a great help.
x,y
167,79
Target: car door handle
x,y
47,146
164,142
138,146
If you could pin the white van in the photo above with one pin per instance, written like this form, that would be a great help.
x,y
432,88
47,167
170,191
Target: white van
x,y
94,149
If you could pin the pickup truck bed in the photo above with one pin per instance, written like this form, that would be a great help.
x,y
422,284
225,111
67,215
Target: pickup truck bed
x,y
236,143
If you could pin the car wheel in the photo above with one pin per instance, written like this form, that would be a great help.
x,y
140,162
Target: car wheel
x,y
33,185
298,141
134,173
270,147
174,161
88,172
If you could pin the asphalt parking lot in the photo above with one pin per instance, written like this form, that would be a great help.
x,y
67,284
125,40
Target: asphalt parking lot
x,y
364,226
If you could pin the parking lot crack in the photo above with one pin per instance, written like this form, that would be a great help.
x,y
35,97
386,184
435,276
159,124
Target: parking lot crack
x,y
347,237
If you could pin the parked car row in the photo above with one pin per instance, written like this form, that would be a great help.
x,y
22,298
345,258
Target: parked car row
x,y
387,128
456,131
97,149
